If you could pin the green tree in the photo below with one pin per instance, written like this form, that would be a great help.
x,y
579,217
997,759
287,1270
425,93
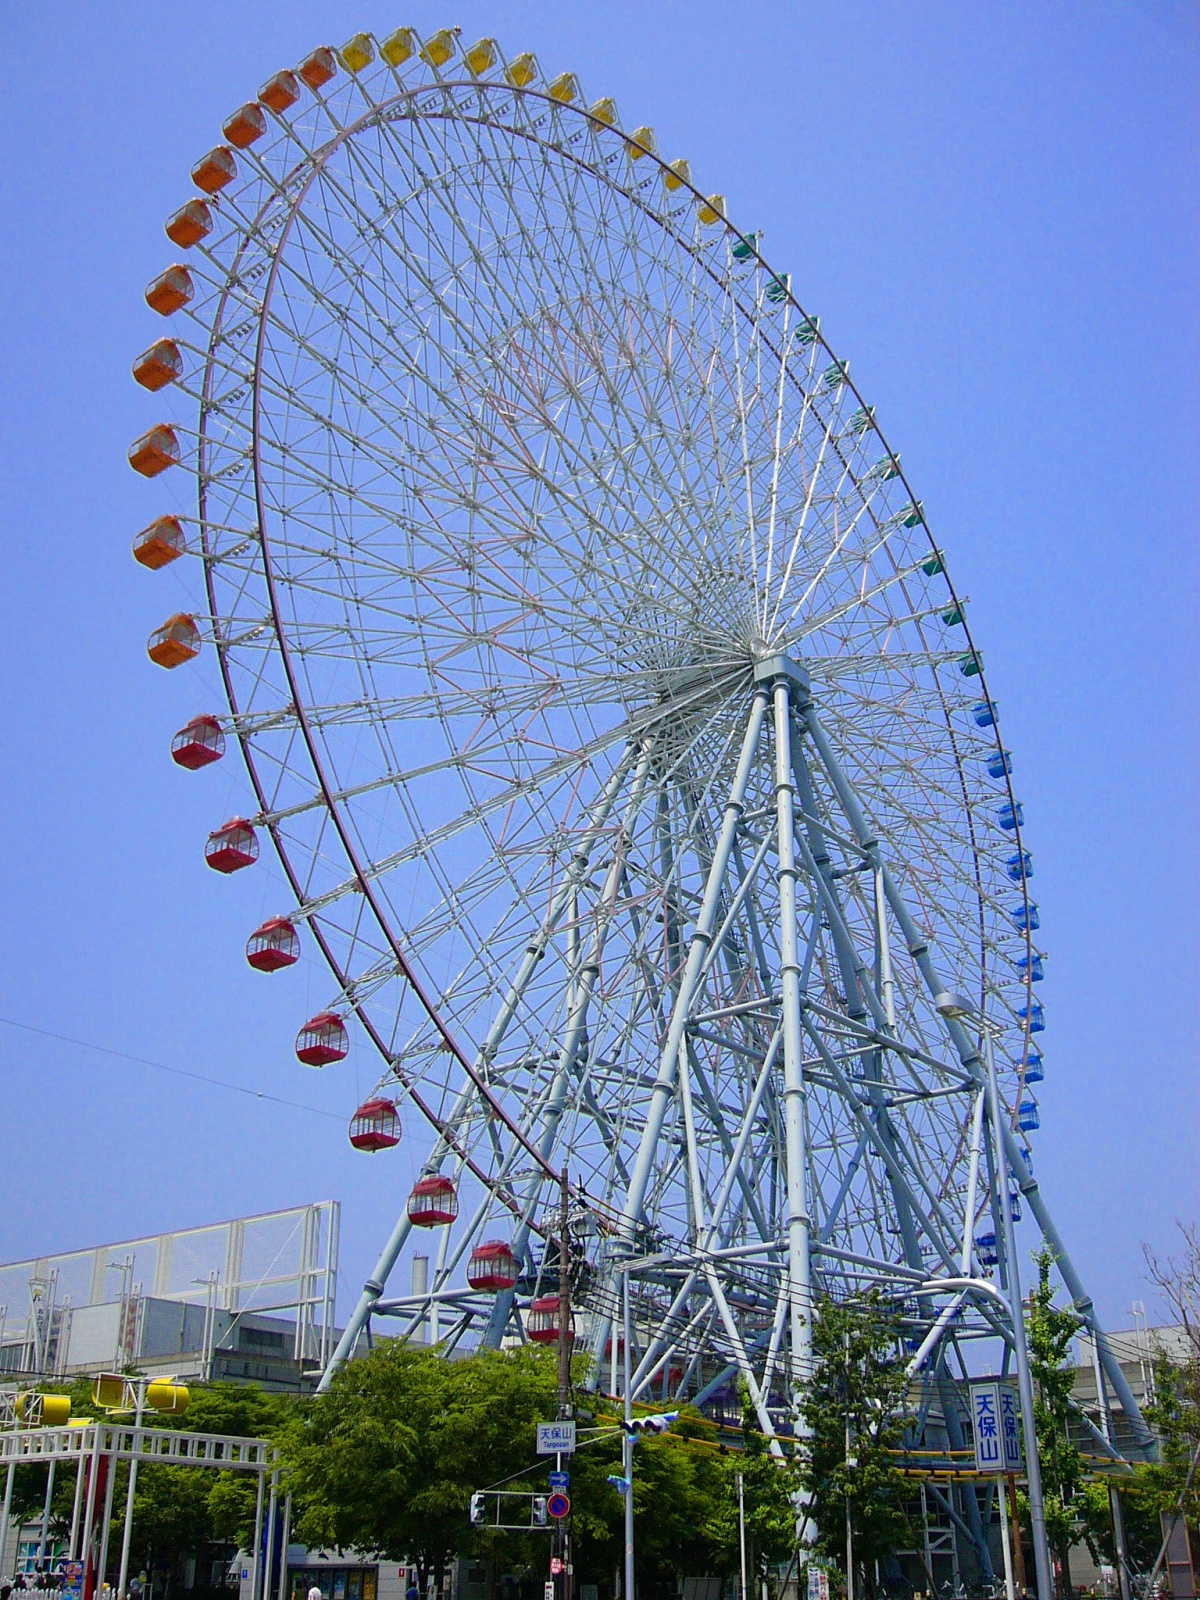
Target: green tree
x,y
770,1488
1050,1330
858,1380
387,1458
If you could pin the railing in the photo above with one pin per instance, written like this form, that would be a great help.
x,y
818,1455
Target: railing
x,y
128,1443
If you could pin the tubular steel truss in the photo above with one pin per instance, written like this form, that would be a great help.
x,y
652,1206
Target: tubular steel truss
x,y
619,731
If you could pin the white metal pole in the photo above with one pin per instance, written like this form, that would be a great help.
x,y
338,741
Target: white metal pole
x,y
1002,1496
741,1488
799,1270
45,1528
287,1534
110,1487
256,1552
76,1508
127,1534
269,1552
4,1515
88,1541
627,1450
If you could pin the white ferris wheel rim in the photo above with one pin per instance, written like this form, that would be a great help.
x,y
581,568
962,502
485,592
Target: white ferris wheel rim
x,y
339,796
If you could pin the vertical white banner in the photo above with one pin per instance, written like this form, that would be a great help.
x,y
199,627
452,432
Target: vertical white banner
x,y
985,1422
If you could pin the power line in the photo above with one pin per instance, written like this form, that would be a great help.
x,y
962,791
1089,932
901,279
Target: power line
x,y
161,1066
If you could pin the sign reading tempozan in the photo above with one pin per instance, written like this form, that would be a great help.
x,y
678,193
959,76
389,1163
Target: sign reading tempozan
x,y
555,1438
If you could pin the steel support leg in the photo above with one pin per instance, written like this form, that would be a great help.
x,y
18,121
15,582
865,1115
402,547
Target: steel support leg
x,y
795,1117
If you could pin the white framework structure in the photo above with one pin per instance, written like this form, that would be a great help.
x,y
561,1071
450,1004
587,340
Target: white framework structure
x,y
614,719
276,1261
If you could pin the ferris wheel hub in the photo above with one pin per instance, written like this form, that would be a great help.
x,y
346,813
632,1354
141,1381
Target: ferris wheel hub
x,y
782,666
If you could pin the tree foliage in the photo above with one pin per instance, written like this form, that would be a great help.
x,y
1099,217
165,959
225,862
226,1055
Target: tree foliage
x,y
385,1461
1050,1330
858,1378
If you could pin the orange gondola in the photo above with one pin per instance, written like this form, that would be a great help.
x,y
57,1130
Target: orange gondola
x,y
159,543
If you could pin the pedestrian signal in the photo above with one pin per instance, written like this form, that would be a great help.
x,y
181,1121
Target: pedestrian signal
x,y
539,1510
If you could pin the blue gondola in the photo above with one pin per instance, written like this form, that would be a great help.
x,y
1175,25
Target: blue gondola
x,y
985,1249
984,714
1033,970
1011,816
1035,1016
1020,866
1035,1071
1000,764
1027,1158
1014,1205
1026,917
1028,1116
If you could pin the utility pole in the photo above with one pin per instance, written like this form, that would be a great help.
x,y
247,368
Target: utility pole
x,y
565,1408
627,1446
742,1531
850,1461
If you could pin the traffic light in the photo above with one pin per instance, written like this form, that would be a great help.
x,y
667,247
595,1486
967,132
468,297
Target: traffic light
x,y
477,1508
539,1510
657,1422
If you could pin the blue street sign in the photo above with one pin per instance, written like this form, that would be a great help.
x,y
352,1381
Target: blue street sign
x,y
560,1480
558,1505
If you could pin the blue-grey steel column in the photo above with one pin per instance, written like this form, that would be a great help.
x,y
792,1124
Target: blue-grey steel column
x,y
969,1055
702,935
794,1120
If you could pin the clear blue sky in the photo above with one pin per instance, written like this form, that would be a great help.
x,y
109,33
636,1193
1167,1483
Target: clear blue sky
x,y
993,207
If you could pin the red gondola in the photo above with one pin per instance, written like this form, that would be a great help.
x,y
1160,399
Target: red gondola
x,y
375,1126
433,1202
273,946
492,1267
232,847
198,743
542,1321
322,1040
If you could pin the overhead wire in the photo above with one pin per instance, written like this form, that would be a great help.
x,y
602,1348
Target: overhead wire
x,y
162,1066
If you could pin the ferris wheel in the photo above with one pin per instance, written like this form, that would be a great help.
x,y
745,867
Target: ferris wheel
x,y
611,712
